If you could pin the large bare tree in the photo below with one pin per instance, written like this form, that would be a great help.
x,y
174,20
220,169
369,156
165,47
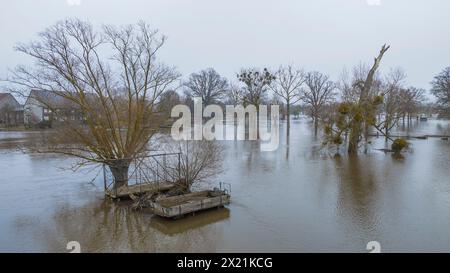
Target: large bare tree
x,y
319,92
208,85
256,84
364,114
113,79
287,86
357,113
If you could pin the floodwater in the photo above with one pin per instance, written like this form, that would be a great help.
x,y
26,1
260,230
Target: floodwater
x,y
295,199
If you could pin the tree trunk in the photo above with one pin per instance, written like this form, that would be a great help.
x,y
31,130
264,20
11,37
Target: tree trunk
x,y
366,137
288,116
119,170
257,121
316,125
353,141
353,144
386,130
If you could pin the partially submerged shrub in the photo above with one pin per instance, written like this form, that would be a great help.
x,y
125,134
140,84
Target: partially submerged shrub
x,y
399,144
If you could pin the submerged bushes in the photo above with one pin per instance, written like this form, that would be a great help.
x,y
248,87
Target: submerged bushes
x,y
399,144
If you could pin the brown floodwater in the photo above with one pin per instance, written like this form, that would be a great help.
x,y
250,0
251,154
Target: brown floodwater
x,y
295,199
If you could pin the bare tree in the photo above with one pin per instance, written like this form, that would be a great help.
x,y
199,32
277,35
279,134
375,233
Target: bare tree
x,y
256,84
365,106
441,90
391,107
357,113
167,101
112,77
234,95
208,85
319,92
200,161
287,86
410,101
351,85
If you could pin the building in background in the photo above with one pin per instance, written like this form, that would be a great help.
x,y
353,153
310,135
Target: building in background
x,y
47,108
11,112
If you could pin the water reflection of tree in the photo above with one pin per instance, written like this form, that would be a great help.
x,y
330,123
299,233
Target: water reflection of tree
x,y
410,127
257,158
105,226
357,190
287,147
443,129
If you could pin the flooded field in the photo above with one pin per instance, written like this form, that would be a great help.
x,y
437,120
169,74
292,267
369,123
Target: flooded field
x,y
296,199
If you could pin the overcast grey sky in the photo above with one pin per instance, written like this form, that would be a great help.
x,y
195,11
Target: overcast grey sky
x,y
324,35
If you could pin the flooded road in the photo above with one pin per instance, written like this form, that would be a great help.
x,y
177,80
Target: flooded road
x,y
296,199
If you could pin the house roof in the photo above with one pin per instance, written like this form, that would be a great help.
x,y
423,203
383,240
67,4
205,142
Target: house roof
x,y
7,98
49,98
54,99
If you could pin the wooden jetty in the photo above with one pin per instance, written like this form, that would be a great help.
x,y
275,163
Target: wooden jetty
x,y
175,206
138,189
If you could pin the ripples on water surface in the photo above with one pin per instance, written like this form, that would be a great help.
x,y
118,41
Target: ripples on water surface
x,y
293,199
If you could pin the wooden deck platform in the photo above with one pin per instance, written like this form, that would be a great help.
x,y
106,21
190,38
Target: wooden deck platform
x,y
179,205
138,189
202,218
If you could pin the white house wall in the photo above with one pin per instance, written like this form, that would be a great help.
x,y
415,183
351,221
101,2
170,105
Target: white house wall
x,y
33,112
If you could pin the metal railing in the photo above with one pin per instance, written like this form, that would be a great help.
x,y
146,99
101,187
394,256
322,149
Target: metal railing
x,y
226,187
152,168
